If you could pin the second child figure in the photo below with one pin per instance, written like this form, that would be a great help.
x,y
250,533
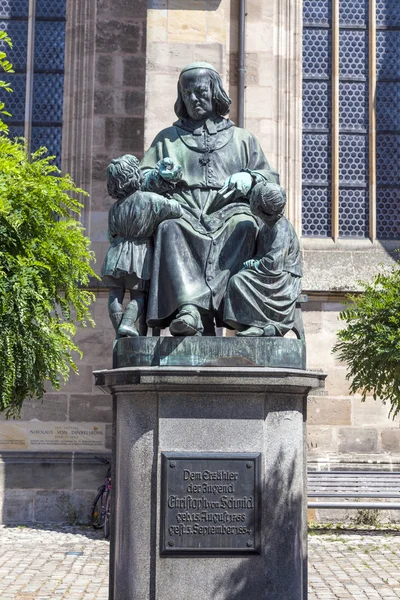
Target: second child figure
x,y
132,221
261,299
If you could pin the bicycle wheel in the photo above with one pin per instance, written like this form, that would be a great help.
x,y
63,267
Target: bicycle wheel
x,y
107,516
97,515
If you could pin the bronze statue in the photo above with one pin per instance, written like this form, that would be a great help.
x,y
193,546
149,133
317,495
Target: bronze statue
x,y
206,188
209,166
261,299
132,221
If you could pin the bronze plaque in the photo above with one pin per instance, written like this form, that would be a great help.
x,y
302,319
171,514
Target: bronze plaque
x,y
210,503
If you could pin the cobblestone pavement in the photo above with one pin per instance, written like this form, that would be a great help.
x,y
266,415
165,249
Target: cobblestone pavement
x,y
71,563
40,564
360,565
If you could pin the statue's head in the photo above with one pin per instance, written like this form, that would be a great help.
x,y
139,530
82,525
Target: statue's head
x,y
200,93
123,176
268,201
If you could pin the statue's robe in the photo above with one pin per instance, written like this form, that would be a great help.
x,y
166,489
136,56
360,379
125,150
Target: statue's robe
x,y
195,256
267,293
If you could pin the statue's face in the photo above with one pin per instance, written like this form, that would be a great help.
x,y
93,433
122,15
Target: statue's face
x,y
196,93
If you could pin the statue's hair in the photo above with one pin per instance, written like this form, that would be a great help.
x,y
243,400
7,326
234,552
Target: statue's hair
x,y
123,176
221,100
267,199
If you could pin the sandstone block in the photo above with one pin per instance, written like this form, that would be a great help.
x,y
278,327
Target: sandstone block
x,y
17,506
104,70
133,103
37,474
82,382
104,102
53,408
134,71
94,408
371,412
357,440
324,410
187,26
319,439
157,25
124,134
118,36
124,9
390,439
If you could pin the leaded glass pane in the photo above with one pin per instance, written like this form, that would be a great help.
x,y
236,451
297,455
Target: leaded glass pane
x,y
353,106
15,100
50,137
18,32
353,212
316,158
388,13
50,9
317,53
316,105
388,213
388,159
388,106
49,46
353,54
352,12
388,54
14,8
353,159
317,13
47,97
317,217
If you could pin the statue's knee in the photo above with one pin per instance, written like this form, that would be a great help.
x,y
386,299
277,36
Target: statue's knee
x,y
167,226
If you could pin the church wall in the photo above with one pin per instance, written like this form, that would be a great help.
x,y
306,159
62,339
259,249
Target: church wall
x,y
123,59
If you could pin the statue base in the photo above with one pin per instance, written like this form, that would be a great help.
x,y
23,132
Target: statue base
x,y
205,351
209,482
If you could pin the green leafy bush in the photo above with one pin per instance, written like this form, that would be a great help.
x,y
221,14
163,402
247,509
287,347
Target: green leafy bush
x,y
370,344
44,268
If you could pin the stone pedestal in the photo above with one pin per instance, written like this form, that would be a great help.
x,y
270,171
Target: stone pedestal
x,y
259,411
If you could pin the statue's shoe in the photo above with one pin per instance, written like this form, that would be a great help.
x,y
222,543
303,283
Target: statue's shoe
x,y
251,332
187,322
267,331
127,330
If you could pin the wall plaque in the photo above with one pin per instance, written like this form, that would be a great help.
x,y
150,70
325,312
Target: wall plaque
x,y
210,503
39,436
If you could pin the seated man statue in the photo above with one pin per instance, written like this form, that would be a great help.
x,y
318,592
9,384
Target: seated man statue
x,y
209,166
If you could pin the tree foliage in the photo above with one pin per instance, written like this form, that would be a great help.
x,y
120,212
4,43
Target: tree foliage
x,y
44,268
370,344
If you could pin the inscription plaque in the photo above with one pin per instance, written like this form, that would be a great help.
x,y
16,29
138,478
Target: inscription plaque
x,y
210,503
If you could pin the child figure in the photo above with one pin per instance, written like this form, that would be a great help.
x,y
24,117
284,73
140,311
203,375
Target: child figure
x,y
261,298
132,221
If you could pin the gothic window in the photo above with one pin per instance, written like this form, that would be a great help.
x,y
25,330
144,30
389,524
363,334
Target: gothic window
x,y
351,118
37,29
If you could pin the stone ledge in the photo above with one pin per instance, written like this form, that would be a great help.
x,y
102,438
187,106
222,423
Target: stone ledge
x,y
202,379
205,351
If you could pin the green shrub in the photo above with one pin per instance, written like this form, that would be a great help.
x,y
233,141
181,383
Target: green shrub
x,y
370,344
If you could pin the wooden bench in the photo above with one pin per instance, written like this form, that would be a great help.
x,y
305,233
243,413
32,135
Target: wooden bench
x,y
354,485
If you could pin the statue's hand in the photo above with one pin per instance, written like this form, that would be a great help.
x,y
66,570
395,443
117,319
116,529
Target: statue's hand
x,y
169,171
248,264
241,182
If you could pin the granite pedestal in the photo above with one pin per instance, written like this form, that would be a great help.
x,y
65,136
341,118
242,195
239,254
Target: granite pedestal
x,y
222,411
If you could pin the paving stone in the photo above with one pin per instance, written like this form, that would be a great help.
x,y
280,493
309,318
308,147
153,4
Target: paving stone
x,y
34,564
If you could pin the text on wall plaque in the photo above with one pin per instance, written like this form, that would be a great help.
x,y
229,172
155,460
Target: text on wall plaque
x,y
210,503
